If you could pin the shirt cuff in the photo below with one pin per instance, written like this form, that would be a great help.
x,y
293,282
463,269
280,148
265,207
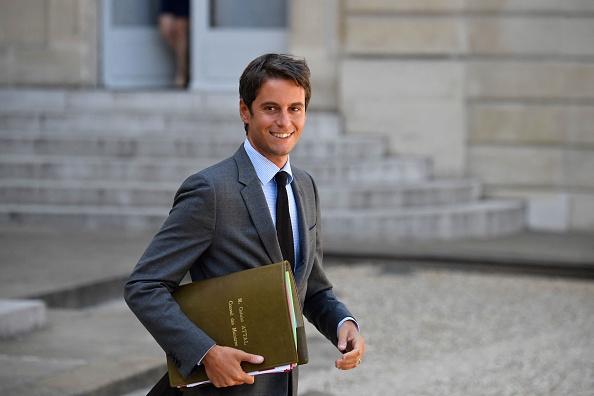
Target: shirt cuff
x,y
200,361
344,320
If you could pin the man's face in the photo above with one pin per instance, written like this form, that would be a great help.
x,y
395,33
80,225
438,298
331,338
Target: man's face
x,y
277,120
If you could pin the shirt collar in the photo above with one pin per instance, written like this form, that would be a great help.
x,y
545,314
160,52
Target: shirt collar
x,y
265,169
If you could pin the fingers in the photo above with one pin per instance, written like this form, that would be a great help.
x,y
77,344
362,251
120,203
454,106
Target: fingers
x,y
223,366
349,360
254,359
350,341
241,377
345,363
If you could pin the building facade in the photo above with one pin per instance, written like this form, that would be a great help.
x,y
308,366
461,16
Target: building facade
x,y
501,90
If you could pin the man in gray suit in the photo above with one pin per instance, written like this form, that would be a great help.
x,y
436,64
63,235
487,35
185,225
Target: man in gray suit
x,y
223,220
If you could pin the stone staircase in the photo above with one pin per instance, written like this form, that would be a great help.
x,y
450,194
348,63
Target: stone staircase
x,y
114,160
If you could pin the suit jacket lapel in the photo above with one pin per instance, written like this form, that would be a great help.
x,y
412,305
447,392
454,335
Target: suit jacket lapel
x,y
303,231
255,202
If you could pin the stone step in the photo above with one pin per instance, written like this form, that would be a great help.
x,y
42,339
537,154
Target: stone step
x,y
94,123
88,217
77,193
97,351
400,195
95,169
141,194
20,316
50,100
201,146
113,160
484,219
443,222
133,124
386,170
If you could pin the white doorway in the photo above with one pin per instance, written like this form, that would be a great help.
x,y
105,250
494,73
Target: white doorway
x,y
228,34
134,53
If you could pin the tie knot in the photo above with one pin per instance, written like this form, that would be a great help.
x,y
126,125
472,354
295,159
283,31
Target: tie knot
x,y
281,178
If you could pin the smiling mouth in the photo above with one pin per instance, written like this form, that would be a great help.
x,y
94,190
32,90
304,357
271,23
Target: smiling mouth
x,y
281,135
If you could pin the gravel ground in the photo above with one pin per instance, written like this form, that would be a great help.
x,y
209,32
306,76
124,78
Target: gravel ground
x,y
443,331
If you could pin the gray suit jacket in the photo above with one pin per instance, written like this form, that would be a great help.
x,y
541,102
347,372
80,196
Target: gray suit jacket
x,y
220,223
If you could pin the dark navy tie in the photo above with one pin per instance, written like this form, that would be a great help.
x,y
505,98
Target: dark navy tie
x,y
284,230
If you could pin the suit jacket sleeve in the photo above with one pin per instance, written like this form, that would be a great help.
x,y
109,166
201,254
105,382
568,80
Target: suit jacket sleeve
x,y
184,236
320,305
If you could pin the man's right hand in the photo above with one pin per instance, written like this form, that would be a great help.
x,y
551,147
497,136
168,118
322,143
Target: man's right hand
x,y
223,367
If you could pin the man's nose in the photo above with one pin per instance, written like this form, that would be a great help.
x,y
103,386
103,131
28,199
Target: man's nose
x,y
283,118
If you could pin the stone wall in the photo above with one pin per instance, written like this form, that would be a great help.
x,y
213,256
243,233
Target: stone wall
x,y
401,77
48,42
530,101
501,89
315,35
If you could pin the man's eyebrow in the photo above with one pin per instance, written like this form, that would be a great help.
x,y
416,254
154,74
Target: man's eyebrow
x,y
296,104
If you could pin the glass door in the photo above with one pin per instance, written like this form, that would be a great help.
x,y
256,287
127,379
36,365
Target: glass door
x,y
228,34
134,53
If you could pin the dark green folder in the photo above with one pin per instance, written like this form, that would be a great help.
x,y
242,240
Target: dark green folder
x,y
248,310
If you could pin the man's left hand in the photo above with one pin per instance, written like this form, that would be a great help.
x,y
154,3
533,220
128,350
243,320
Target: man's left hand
x,y
350,342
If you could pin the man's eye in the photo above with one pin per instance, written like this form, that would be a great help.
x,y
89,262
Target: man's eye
x,y
270,108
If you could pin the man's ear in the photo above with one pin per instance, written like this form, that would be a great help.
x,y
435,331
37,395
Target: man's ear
x,y
244,112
